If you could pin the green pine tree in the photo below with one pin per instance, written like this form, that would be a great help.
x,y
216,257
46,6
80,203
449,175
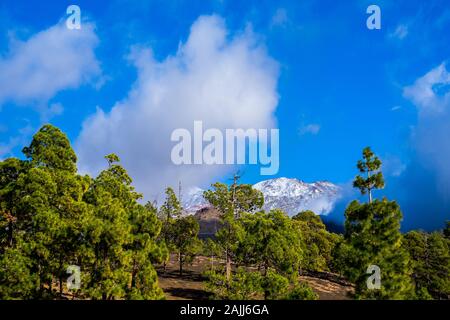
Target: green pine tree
x,y
169,211
231,202
271,243
145,251
370,166
372,232
431,263
316,242
51,217
185,239
121,239
43,198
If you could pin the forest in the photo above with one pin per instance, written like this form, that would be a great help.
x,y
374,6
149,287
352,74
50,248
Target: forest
x,y
51,218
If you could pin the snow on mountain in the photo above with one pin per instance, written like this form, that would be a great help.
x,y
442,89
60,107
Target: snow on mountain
x,y
294,196
193,201
290,195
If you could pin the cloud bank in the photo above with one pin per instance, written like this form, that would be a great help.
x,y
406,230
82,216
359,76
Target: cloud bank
x,y
426,181
431,95
55,59
226,80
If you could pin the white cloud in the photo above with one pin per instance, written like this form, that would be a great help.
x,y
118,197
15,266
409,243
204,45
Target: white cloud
x,y
321,205
312,128
425,93
227,81
280,18
431,95
50,61
400,32
393,166
6,148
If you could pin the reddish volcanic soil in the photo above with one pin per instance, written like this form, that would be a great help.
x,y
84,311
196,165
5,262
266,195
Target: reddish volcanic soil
x,y
190,286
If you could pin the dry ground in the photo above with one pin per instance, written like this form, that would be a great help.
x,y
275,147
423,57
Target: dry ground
x,y
190,286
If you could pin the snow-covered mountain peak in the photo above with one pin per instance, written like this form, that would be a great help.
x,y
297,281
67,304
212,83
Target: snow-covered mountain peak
x,y
294,196
289,195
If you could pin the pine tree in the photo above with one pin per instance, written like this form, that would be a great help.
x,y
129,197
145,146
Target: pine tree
x,y
231,202
145,251
316,242
108,233
169,211
51,149
431,263
370,165
10,170
44,195
120,239
17,277
242,284
172,207
185,239
372,232
271,243
51,217
212,250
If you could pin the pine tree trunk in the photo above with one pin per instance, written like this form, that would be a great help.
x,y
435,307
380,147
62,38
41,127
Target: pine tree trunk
x,y
60,276
133,275
228,258
228,267
181,263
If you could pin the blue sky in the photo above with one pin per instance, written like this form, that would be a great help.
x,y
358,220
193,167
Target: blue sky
x,y
338,86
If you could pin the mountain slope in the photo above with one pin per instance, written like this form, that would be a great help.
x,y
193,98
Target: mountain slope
x,y
294,196
290,195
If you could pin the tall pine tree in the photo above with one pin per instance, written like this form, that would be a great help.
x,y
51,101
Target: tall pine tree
x,y
370,167
372,232
231,201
